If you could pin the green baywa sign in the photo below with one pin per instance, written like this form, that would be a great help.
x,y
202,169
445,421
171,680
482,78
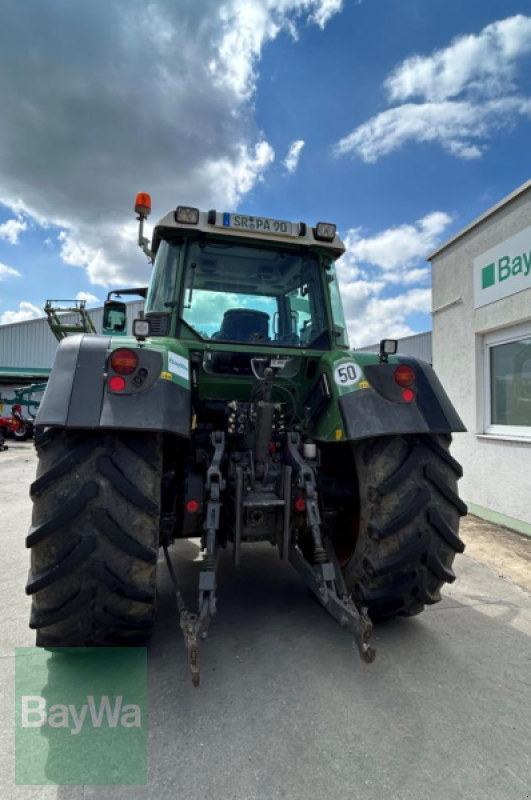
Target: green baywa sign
x,y
503,270
81,718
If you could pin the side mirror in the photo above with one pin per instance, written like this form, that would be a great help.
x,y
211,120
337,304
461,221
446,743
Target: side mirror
x,y
114,318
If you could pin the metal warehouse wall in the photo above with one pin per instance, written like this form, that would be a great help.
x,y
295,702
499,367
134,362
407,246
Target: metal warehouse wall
x,y
32,344
418,346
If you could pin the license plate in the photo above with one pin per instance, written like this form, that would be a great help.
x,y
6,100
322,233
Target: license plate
x,y
259,224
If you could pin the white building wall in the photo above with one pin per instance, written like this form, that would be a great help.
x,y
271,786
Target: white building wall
x,y
497,472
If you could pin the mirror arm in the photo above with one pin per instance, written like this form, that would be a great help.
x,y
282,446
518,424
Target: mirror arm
x,y
143,241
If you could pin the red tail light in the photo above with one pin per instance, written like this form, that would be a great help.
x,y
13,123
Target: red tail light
x,y
117,384
405,376
123,361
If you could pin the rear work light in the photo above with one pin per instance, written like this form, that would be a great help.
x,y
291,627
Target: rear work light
x,y
405,376
124,361
325,231
186,215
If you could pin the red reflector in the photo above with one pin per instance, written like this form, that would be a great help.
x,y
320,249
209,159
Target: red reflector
x,y
192,506
300,504
408,395
117,384
405,376
123,361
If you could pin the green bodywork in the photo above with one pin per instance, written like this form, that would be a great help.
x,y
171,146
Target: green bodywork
x,y
329,427
183,339
216,306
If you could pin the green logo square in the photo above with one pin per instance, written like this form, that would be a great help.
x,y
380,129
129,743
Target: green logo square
x,y
81,716
488,276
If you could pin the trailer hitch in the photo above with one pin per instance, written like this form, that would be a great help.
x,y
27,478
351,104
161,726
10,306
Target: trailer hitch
x,y
194,626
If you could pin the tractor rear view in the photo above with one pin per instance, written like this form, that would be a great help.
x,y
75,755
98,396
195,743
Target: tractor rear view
x,y
237,414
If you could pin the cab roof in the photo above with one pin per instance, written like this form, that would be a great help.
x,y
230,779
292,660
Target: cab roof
x,y
223,224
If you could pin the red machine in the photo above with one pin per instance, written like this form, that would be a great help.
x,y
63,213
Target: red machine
x,y
16,426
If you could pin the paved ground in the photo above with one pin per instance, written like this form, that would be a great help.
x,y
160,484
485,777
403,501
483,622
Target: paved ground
x,y
287,709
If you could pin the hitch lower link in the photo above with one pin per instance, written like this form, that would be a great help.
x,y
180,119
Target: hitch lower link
x,y
195,626
324,576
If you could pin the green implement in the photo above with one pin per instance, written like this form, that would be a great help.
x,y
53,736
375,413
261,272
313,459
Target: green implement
x,y
60,328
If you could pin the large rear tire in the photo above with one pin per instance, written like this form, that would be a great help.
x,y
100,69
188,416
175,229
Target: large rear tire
x,y
408,526
94,538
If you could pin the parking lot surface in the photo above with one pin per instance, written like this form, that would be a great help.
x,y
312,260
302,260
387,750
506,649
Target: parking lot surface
x,y
286,708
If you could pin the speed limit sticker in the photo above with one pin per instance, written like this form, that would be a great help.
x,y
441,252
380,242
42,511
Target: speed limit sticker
x,y
347,374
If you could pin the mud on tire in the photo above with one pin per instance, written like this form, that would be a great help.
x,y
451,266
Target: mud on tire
x,y
94,538
409,524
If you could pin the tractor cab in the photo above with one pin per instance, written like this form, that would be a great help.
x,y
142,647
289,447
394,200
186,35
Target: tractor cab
x,y
232,287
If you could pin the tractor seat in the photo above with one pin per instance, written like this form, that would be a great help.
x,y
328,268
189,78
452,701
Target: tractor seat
x,y
240,325
244,325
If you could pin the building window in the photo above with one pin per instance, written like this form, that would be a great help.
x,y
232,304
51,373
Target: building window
x,y
508,382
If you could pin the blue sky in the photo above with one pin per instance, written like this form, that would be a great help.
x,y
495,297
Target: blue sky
x,y
415,118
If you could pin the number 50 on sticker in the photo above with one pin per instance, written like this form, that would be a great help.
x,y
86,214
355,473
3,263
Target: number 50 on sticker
x,y
347,374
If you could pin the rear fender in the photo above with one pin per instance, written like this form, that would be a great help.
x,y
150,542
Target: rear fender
x,y
365,400
78,394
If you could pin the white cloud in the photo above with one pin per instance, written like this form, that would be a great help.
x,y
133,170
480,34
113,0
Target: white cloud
x,y
461,128
247,25
383,263
325,10
11,230
90,298
231,179
485,62
26,311
469,93
291,161
6,272
399,246
103,121
387,318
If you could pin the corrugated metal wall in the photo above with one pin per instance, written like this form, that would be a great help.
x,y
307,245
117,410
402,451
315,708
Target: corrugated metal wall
x,y
418,346
32,344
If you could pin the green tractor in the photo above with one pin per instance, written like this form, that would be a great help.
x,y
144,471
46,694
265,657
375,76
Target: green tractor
x,y
237,413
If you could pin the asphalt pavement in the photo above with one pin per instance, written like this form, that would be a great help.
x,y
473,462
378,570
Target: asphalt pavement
x,y
286,709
